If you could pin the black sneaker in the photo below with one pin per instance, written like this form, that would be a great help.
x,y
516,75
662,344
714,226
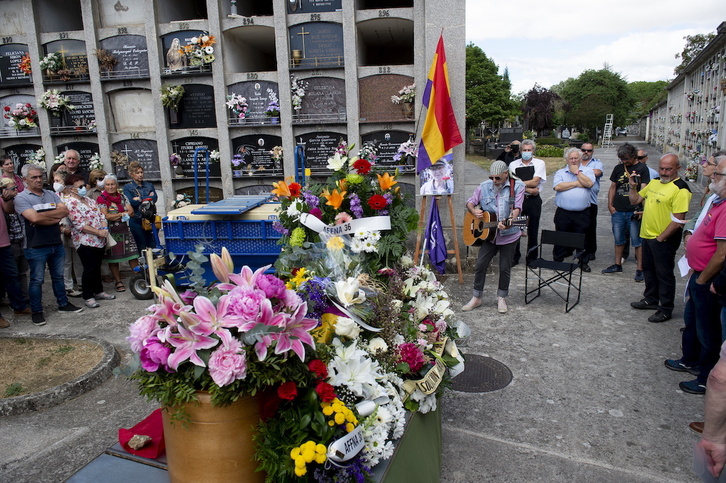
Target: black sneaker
x,y
38,318
659,317
679,366
644,305
69,307
613,269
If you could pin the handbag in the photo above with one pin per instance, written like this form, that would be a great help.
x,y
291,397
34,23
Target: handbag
x,y
146,223
110,241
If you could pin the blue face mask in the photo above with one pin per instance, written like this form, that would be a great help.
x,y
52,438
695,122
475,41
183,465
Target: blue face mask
x,y
82,191
527,155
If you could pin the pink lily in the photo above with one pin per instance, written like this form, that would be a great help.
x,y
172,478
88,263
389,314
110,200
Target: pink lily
x,y
266,317
208,319
222,266
187,343
246,278
296,332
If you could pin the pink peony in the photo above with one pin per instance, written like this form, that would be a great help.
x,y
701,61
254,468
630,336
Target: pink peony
x,y
245,302
412,355
142,329
272,286
154,355
227,366
291,299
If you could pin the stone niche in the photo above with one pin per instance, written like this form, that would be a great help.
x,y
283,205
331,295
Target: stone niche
x,y
324,101
11,16
257,95
83,112
387,144
172,60
185,149
256,159
85,149
132,110
250,49
142,150
316,45
177,10
21,154
55,16
126,12
385,41
74,57
375,93
132,58
196,109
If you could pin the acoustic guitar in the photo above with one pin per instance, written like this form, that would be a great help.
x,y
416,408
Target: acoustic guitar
x,y
478,230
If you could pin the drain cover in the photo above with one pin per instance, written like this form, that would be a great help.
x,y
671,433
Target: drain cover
x,y
482,374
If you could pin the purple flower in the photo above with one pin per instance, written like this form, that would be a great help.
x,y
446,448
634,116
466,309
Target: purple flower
x,y
142,329
355,205
245,302
188,296
154,354
226,366
272,286
279,228
310,199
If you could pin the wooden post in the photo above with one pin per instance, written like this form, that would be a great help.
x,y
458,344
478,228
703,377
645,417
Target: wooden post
x,y
423,215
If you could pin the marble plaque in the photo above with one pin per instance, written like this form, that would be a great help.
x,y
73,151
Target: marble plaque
x,y
171,43
22,154
122,12
133,110
256,93
185,148
196,108
307,6
73,53
321,44
319,146
11,16
131,55
142,150
387,143
375,93
10,73
255,152
324,100
83,112
85,149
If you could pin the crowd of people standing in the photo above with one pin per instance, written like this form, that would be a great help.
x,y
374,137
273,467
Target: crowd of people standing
x,y
80,225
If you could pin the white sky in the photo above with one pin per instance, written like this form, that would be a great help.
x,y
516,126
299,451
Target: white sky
x,y
547,42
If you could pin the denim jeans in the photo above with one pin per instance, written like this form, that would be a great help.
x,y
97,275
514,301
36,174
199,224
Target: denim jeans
x,y
702,313
144,239
484,259
54,256
9,270
624,224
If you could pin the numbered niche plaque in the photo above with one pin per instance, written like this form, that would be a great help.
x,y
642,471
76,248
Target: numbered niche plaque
x,y
319,146
11,74
255,155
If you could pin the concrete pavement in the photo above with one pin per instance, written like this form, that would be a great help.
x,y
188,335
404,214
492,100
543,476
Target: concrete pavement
x,y
590,399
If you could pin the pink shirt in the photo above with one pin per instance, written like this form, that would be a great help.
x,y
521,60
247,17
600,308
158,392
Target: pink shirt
x,y
702,245
4,237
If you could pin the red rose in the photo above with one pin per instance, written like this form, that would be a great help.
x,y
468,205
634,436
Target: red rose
x,y
362,166
377,202
287,391
325,391
7,108
319,368
28,105
294,189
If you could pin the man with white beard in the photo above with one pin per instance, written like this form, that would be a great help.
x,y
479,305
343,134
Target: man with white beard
x,y
706,252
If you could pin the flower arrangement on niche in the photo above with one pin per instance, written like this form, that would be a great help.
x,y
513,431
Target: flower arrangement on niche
x,y
171,96
406,94
199,50
95,162
174,160
21,117
276,155
24,65
238,105
297,89
273,105
407,148
52,62
106,60
38,156
181,201
119,159
53,101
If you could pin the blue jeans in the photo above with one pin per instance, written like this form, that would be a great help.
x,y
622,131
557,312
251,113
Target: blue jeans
x,y
702,314
622,222
144,239
54,256
9,269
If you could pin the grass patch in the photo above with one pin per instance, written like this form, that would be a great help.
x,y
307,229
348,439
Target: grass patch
x,y
553,164
13,389
64,349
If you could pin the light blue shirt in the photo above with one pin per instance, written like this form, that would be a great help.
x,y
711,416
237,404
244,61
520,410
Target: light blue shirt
x,y
575,199
594,164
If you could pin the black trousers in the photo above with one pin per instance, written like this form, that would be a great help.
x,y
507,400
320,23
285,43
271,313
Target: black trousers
x,y
91,258
572,222
591,234
532,208
658,265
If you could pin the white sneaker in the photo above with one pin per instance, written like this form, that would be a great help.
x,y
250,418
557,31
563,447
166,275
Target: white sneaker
x,y
105,296
502,305
91,303
473,303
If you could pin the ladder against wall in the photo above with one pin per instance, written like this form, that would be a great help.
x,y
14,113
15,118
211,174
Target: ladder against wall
x,y
607,134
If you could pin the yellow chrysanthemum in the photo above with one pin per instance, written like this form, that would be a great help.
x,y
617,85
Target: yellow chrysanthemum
x,y
328,411
339,418
300,462
294,453
386,181
349,427
335,198
320,459
331,423
335,243
300,471
320,448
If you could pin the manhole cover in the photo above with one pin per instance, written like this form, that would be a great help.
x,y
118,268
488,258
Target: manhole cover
x,y
482,374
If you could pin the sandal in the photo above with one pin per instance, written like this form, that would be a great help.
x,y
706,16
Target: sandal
x,y
120,286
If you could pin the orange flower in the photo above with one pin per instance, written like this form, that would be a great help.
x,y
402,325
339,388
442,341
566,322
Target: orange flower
x,y
386,181
343,184
281,189
335,199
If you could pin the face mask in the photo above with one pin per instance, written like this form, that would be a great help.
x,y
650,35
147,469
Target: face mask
x,y
58,187
515,148
527,155
100,184
82,191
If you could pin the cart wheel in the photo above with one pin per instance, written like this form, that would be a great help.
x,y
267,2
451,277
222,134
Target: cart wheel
x,y
140,288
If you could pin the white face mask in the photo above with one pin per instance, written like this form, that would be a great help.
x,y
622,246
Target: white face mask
x,y
58,187
100,184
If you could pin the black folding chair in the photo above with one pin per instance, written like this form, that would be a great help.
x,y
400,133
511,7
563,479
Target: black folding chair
x,y
555,273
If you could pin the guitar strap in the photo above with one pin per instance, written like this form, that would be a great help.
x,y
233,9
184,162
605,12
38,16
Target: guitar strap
x,y
511,196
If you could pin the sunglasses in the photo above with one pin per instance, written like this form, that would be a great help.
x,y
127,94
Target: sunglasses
x,y
497,178
587,150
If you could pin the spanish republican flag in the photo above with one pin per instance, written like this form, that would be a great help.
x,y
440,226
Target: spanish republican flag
x,y
440,132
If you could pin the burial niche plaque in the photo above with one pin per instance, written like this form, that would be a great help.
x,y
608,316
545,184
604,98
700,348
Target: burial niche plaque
x,y
22,154
132,60
185,148
254,157
86,150
196,109
10,57
257,95
74,59
319,45
387,144
80,117
308,6
319,146
142,150
324,101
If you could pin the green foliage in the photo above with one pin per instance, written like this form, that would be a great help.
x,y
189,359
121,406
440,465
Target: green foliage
x,y
539,108
549,140
13,389
694,46
63,349
196,260
547,151
646,95
488,95
583,136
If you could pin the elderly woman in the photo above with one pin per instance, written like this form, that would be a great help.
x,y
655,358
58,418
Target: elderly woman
x,y
95,181
117,209
89,233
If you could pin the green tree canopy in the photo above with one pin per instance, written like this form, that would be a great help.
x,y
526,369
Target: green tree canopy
x,y
694,45
646,95
487,93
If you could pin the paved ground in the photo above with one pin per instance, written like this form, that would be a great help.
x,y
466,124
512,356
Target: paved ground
x,y
590,399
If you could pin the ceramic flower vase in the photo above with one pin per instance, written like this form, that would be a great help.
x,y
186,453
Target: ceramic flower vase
x,y
216,444
274,120
237,173
407,108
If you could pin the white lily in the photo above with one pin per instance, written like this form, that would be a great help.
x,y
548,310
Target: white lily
x,y
349,292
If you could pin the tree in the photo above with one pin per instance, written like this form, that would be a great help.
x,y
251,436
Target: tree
x,y
594,94
646,95
539,108
694,45
488,96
